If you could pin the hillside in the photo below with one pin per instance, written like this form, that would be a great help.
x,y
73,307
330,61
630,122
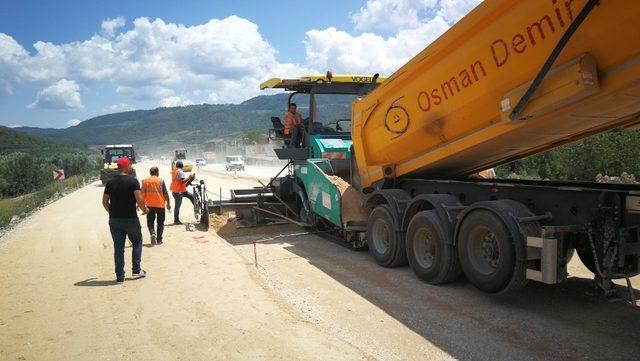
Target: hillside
x,y
169,127
12,141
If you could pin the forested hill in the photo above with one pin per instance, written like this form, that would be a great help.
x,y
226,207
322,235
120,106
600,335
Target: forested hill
x,y
189,124
12,141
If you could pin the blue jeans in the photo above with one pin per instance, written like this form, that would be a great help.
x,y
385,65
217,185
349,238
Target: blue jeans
x,y
177,197
121,228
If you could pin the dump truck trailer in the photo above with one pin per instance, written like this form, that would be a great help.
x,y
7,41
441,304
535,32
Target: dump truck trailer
x,y
449,111
511,79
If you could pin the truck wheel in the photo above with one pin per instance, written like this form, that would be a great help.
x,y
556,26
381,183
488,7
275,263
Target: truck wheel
x,y
486,251
430,255
384,244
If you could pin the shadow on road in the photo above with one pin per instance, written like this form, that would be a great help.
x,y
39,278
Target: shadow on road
x,y
566,321
94,282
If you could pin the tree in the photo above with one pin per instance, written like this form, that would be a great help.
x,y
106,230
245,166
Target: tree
x,y
252,137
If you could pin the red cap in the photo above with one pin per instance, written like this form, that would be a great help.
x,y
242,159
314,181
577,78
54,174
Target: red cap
x,y
123,162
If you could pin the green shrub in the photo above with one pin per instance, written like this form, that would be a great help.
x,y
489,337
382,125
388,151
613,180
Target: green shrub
x,y
609,153
22,173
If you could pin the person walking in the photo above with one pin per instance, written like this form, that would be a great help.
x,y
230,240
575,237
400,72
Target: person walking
x,y
121,194
179,189
156,198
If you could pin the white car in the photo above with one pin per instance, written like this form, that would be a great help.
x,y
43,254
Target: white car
x,y
234,162
200,162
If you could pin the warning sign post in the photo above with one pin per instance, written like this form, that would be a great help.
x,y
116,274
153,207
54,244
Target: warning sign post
x,y
58,176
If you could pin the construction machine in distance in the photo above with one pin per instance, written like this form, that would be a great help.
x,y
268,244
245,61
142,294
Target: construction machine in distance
x,y
111,155
510,79
181,155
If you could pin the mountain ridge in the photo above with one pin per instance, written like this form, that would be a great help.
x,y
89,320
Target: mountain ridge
x,y
192,124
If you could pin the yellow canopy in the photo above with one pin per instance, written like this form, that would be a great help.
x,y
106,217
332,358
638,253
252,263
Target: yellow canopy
x,y
308,80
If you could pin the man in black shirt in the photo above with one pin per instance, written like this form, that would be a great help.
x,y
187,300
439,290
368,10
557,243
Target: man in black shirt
x,y
121,194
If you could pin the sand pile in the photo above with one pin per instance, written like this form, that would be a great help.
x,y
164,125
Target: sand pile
x,y
218,221
225,225
352,201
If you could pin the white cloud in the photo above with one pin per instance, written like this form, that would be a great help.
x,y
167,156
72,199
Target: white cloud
x,y
454,10
14,125
64,94
118,108
73,122
5,88
368,53
390,14
222,60
110,26
397,15
145,92
175,101
154,59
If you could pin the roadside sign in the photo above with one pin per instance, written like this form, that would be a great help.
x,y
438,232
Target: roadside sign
x,y
58,174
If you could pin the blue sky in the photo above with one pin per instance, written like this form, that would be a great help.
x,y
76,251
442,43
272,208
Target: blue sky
x,y
62,62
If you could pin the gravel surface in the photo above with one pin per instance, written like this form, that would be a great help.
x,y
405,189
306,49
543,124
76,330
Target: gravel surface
x,y
310,297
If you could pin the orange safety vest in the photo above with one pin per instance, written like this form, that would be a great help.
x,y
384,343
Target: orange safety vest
x,y
152,192
176,185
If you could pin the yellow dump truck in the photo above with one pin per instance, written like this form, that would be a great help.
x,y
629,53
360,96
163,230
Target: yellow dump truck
x,y
180,154
511,79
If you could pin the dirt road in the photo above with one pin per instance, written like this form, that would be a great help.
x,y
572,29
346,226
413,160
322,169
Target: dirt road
x,y
310,298
201,300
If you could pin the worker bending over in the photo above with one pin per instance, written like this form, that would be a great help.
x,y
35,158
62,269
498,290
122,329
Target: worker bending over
x,y
293,126
179,189
156,197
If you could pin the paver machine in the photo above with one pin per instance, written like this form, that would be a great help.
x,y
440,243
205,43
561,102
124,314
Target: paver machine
x,y
307,191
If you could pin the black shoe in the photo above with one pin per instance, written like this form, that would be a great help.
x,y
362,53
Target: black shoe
x,y
177,223
159,242
120,280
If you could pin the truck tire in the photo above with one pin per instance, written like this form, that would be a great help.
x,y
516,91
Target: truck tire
x,y
431,255
384,244
486,251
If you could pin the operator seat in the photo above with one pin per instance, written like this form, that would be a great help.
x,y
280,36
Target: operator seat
x,y
278,127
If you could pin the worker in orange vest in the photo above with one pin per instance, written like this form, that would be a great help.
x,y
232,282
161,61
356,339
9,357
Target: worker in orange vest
x,y
179,189
156,198
293,126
